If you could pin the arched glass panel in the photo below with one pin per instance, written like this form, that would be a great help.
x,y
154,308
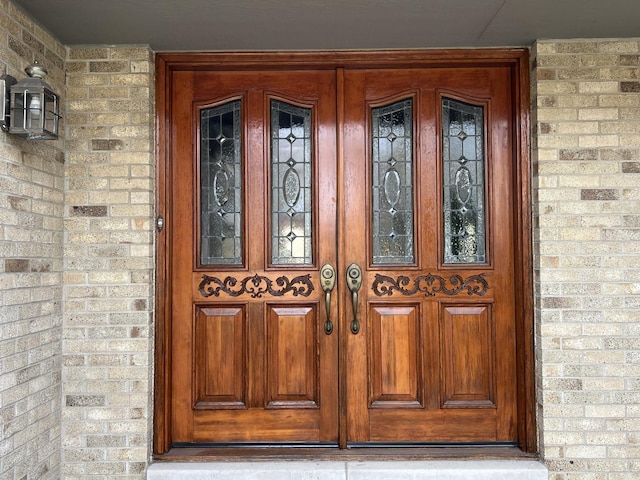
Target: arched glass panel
x,y
392,183
464,183
291,177
221,185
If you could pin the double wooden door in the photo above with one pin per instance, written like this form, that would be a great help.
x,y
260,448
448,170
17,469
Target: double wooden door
x,y
341,256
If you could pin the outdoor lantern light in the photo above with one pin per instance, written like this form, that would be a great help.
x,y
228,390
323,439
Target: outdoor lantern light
x,y
32,107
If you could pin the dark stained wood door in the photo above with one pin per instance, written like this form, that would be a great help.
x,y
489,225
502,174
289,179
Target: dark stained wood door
x,y
251,360
428,218
408,194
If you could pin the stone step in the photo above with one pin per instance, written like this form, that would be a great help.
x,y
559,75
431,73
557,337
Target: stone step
x,y
351,470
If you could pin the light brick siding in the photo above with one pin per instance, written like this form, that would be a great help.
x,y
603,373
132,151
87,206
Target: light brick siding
x,y
31,236
586,155
108,263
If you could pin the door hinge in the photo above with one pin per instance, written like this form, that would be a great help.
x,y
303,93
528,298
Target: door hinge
x,y
160,223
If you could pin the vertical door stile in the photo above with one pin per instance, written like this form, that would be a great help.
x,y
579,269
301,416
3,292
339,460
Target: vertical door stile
x,y
340,261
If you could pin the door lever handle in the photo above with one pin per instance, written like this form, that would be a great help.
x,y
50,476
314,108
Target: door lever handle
x,y
327,281
354,282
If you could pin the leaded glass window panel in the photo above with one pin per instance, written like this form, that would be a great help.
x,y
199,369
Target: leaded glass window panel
x,y
291,177
221,185
392,183
464,182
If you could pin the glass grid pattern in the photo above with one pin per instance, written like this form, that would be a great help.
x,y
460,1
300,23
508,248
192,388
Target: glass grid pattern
x,y
392,183
464,182
291,179
221,185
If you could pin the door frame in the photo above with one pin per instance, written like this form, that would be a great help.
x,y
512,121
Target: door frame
x,y
517,60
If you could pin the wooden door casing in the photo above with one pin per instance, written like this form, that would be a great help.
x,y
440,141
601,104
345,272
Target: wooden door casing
x,y
390,325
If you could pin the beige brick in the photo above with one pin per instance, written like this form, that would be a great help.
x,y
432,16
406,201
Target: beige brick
x,y
558,141
598,87
558,87
598,114
77,80
140,67
130,131
588,141
132,79
109,119
557,114
619,73
88,53
130,53
618,46
88,106
567,128
619,100
577,101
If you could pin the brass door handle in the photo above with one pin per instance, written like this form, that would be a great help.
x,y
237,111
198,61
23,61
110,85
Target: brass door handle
x,y
354,282
327,281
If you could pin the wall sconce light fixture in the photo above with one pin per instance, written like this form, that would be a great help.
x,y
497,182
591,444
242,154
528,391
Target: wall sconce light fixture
x,y
29,108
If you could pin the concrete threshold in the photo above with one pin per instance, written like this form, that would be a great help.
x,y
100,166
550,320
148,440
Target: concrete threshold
x,y
351,470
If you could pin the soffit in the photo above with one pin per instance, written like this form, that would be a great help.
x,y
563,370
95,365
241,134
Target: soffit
x,y
208,25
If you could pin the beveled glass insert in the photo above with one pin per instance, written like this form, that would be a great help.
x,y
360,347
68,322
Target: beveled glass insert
x,y
464,182
392,183
221,185
291,177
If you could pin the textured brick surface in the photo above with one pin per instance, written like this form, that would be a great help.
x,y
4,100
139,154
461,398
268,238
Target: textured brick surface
x,y
31,239
587,161
109,176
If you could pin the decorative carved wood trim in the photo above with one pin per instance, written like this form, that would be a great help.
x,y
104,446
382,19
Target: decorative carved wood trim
x,y
430,285
256,286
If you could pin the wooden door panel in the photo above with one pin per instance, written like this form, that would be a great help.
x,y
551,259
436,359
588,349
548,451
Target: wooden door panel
x,y
220,357
439,427
292,356
250,359
396,356
275,426
468,356
439,334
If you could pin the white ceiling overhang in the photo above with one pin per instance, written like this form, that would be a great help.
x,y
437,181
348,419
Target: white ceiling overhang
x,y
209,25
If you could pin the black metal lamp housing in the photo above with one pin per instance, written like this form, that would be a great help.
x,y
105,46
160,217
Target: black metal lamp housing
x,y
33,108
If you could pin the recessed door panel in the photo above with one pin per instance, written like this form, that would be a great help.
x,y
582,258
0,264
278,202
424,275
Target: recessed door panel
x,y
292,357
467,356
396,352
220,363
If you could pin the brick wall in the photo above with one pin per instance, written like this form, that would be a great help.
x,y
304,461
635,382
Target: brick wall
x,y
31,209
586,97
108,263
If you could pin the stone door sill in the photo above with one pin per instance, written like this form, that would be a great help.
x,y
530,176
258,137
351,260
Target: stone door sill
x,y
351,470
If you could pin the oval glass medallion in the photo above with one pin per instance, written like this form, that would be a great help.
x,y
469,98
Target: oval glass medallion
x,y
463,185
392,187
291,187
221,187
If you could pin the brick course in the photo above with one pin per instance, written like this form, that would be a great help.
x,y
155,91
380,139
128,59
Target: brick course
x,y
31,296
585,96
109,245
